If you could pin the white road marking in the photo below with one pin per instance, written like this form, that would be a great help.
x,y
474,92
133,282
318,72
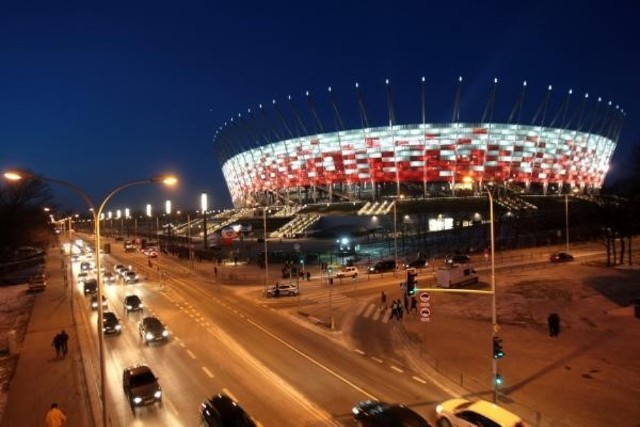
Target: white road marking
x,y
208,372
395,368
369,310
190,353
376,359
420,380
357,350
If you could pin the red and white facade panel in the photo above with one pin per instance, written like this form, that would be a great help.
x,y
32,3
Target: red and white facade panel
x,y
423,153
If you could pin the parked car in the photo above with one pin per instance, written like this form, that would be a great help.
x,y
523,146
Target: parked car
x,y
132,303
110,323
222,411
282,289
561,257
382,266
348,271
152,329
83,276
463,412
85,266
94,302
417,263
373,413
457,259
141,386
90,286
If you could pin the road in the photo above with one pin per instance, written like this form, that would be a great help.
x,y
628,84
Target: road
x,y
229,339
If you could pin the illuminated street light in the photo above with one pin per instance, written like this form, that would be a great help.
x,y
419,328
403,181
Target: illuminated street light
x,y
97,214
204,205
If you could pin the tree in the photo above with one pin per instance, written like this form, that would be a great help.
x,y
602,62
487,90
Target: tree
x,y
22,218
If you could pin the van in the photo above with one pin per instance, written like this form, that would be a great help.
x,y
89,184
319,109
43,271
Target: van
x,y
454,275
90,286
382,266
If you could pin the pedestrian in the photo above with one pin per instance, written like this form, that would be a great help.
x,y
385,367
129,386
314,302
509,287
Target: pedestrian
x,y
276,292
393,310
308,276
554,324
400,311
55,417
383,301
215,271
406,303
414,304
64,338
57,344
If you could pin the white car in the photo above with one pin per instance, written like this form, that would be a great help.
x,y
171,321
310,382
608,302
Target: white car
x,y
349,271
468,413
283,290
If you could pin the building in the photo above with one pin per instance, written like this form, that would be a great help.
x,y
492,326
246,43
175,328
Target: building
x,y
561,151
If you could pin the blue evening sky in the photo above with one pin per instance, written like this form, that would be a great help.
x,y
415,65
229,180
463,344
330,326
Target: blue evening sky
x,y
102,93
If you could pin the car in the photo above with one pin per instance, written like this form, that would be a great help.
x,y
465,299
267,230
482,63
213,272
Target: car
x,y
463,412
132,302
118,268
90,286
222,411
83,276
151,252
130,277
141,386
282,289
85,266
374,413
382,266
561,257
457,259
108,277
348,271
152,329
94,302
110,323
417,263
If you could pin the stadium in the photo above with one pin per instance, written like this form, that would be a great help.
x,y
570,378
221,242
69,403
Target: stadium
x,y
270,159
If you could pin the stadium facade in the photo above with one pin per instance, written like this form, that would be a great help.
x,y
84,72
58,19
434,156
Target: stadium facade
x,y
560,151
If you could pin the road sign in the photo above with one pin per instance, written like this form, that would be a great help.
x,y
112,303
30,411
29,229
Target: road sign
x,y
424,296
425,314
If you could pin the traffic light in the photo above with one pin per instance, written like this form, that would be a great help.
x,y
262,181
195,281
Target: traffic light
x,y
497,348
411,282
497,380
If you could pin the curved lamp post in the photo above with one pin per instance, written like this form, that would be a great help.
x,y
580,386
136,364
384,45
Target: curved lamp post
x,y
164,179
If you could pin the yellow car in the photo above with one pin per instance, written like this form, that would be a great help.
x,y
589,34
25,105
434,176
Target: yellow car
x,y
467,413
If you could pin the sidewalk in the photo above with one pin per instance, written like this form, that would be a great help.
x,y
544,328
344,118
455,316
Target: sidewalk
x,y
586,376
40,378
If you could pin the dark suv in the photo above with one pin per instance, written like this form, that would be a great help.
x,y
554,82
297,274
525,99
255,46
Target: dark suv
x,y
372,413
222,411
90,286
132,303
382,266
141,386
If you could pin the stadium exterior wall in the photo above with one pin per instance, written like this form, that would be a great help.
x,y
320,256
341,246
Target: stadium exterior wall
x,y
420,155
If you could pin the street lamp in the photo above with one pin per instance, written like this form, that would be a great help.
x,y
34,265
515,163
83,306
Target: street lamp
x,y
395,231
167,180
494,316
566,218
167,209
266,254
204,206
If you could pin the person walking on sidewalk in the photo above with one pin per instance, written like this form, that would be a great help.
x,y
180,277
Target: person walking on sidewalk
x,y
55,417
57,344
64,338
383,301
414,304
554,324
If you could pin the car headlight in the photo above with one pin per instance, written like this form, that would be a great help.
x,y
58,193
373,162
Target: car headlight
x,y
128,307
140,305
165,333
157,394
355,411
137,399
94,304
439,409
118,327
148,336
